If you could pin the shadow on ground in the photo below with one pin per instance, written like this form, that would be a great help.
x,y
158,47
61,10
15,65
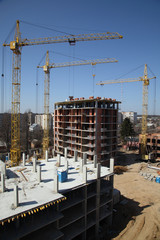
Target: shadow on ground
x,y
127,158
123,213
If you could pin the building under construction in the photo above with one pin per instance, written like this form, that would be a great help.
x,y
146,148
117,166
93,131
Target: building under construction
x,y
43,201
153,145
86,126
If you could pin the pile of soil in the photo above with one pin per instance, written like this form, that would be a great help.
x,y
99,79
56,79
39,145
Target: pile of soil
x,y
120,169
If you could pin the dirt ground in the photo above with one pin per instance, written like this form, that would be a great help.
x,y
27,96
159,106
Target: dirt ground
x,y
137,217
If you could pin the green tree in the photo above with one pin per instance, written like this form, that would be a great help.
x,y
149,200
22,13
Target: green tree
x,y
5,129
126,129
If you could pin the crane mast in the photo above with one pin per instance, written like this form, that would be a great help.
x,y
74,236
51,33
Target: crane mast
x,y
16,47
144,113
145,81
15,109
46,69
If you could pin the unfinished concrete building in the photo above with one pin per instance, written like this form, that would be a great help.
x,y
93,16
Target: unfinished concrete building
x,y
86,126
36,204
153,145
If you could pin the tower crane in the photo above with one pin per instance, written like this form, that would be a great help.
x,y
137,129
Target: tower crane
x,y
145,81
46,69
16,47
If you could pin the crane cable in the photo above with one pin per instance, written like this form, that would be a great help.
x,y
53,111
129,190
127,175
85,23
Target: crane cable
x,y
58,53
37,91
47,28
37,83
93,75
155,87
3,69
2,83
73,69
129,72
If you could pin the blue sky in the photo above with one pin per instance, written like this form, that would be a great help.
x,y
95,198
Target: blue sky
x,y
138,22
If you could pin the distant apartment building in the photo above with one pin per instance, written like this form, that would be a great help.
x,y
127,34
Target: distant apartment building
x,y
86,126
31,118
131,115
40,119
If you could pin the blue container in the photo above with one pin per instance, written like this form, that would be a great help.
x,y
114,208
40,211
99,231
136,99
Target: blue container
x,y
62,176
158,179
6,158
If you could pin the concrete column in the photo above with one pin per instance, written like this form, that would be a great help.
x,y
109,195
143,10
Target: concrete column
x,y
97,207
46,155
85,158
34,163
98,170
24,159
56,183
81,165
75,156
16,198
59,159
65,153
3,169
149,156
111,164
2,182
53,153
84,174
39,173
66,165
95,161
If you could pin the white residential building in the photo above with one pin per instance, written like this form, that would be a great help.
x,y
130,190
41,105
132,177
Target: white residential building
x,y
131,115
40,119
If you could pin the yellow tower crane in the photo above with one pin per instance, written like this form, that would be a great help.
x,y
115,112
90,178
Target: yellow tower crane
x,y
16,47
46,69
145,81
